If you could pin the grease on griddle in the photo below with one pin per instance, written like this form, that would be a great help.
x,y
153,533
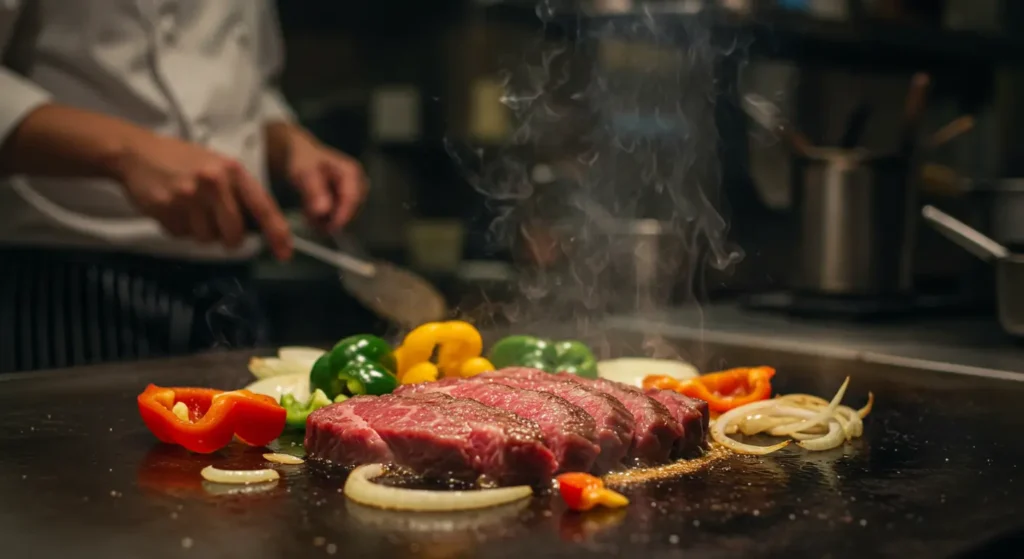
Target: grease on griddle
x,y
675,469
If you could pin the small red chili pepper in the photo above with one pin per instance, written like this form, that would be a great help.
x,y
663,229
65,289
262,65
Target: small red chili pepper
x,y
583,492
204,420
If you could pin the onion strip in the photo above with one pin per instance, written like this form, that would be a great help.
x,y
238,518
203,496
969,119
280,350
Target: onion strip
x,y
360,488
724,420
816,424
280,458
216,475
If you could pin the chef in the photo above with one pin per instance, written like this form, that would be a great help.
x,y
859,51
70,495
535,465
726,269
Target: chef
x,y
137,140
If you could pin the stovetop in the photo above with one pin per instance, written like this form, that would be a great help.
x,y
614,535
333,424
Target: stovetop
x,y
937,473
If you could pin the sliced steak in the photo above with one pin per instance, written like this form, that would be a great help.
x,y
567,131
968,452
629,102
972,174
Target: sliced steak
x,y
433,434
567,429
613,423
692,414
656,430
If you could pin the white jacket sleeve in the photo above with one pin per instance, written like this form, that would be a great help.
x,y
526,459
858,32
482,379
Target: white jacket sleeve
x,y
18,96
271,55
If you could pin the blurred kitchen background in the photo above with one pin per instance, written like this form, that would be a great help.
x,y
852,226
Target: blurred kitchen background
x,y
829,237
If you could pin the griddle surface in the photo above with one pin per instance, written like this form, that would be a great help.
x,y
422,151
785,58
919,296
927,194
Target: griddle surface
x,y
937,473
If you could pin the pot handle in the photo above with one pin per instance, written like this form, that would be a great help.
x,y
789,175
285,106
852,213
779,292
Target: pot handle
x,y
964,235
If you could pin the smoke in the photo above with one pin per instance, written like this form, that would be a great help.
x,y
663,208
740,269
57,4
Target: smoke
x,y
608,187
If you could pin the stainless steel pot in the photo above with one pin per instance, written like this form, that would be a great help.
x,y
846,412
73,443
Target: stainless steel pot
x,y
856,215
1009,266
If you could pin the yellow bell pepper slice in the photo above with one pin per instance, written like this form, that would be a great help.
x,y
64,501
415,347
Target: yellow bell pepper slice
x,y
458,355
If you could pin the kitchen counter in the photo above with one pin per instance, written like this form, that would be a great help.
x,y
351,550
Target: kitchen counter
x,y
937,473
970,346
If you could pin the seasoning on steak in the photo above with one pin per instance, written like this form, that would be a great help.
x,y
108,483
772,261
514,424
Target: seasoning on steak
x,y
692,414
567,429
433,434
656,430
614,424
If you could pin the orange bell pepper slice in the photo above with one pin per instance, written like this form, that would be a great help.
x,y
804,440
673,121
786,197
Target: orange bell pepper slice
x,y
206,419
722,391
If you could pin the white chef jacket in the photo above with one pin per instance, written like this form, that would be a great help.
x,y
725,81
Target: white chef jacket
x,y
195,69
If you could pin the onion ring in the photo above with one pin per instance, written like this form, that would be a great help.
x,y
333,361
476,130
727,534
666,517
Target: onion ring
x,y
216,475
360,488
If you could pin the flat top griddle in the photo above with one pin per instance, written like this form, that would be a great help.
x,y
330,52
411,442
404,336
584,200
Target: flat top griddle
x,y
938,473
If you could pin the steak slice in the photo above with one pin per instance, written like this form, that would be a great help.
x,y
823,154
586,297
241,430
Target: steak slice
x,y
433,434
692,414
614,424
657,432
568,430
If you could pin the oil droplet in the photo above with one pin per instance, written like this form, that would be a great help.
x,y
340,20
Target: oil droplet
x,y
757,512
696,523
332,549
319,541
863,522
673,539
186,542
792,516
174,516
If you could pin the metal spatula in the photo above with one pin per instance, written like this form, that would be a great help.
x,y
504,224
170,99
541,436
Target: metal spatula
x,y
388,290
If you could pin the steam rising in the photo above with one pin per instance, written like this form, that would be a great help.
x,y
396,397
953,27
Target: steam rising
x,y
612,125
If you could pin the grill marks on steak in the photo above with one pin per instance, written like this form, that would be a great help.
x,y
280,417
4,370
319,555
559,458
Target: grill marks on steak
x,y
434,434
614,425
657,431
692,414
568,430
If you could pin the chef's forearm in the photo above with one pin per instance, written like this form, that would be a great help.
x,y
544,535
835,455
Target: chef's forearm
x,y
57,140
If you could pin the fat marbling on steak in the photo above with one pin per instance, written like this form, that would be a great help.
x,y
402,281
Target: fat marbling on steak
x,y
692,414
614,424
568,430
657,432
433,434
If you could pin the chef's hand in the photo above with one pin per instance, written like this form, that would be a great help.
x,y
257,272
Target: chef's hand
x,y
199,194
332,184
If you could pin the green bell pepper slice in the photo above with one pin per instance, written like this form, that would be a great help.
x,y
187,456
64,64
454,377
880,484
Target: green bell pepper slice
x,y
564,356
362,364
296,412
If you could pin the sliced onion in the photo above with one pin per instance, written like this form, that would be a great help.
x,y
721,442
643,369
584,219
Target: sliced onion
x,y
280,458
724,420
833,439
632,370
269,367
216,475
297,385
822,416
360,488
299,354
815,423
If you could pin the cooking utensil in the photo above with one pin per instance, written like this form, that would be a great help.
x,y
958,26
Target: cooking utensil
x,y
390,291
856,223
951,130
913,110
1009,266
337,259
855,126
395,293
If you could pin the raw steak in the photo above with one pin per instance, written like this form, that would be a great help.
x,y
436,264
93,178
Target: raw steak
x,y
568,430
656,430
614,424
433,434
692,414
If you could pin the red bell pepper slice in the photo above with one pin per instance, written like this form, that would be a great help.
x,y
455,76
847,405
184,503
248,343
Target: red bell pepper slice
x,y
214,418
583,492
722,391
